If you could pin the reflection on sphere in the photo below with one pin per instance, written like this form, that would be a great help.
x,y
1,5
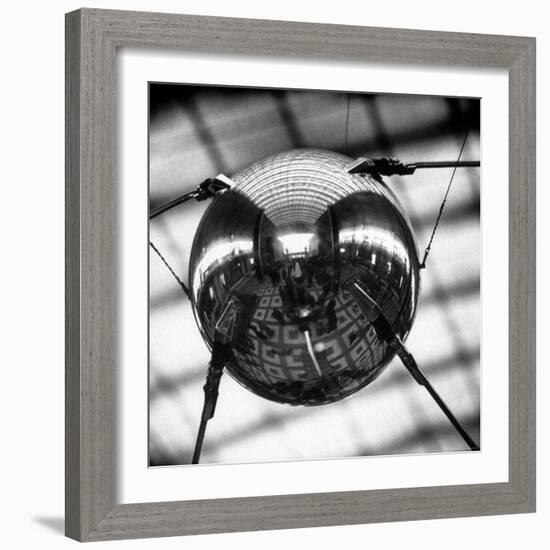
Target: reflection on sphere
x,y
291,267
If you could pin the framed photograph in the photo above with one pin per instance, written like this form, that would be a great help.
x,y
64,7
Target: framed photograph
x,y
300,275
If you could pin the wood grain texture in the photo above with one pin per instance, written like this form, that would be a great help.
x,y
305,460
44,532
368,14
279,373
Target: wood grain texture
x,y
522,274
92,37
72,276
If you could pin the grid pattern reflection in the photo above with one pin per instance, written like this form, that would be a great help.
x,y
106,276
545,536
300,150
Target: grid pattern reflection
x,y
199,132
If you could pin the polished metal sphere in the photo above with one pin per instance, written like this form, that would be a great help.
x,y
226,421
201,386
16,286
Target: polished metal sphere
x,y
292,268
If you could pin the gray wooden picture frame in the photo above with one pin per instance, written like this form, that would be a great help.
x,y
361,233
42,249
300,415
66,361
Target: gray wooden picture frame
x,y
92,39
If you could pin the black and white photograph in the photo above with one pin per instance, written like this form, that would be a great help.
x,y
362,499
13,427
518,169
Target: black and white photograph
x,y
314,274
271,275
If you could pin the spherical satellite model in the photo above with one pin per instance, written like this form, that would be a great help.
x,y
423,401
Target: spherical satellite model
x,y
304,278
295,239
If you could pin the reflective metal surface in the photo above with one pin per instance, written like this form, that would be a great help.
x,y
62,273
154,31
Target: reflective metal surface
x,y
290,268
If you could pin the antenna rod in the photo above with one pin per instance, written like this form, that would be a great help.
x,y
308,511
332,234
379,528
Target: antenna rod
x,y
394,167
385,332
220,354
446,164
206,190
169,205
410,364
